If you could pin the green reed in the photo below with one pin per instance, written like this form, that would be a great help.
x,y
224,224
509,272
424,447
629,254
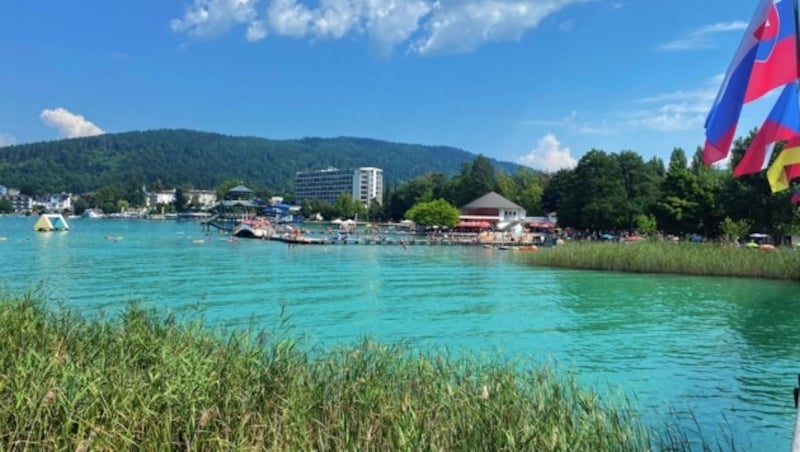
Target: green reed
x,y
662,257
144,381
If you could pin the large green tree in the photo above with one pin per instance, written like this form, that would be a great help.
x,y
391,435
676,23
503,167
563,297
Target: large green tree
x,y
710,182
346,207
524,188
6,206
750,198
679,209
475,180
595,198
422,188
434,213
641,185
556,188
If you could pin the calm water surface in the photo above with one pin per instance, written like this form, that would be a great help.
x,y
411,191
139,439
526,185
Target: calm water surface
x,y
724,349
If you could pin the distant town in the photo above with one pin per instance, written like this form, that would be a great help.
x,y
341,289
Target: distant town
x,y
365,185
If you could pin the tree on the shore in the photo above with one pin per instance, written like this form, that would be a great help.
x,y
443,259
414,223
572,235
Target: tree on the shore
x,y
679,210
733,230
6,206
595,196
641,185
434,213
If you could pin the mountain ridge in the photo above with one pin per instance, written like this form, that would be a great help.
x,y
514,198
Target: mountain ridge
x,y
201,159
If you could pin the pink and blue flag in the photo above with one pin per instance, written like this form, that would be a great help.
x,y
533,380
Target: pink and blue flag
x,y
782,124
766,59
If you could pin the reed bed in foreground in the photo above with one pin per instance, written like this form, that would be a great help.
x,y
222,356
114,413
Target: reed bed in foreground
x,y
145,382
662,257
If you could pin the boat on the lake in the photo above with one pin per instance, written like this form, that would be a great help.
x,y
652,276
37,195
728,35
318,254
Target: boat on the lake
x,y
259,229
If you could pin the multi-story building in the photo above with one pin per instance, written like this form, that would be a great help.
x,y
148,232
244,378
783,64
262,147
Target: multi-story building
x,y
370,185
21,203
363,184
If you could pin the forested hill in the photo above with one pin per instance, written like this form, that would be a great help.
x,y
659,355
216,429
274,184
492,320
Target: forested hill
x,y
204,160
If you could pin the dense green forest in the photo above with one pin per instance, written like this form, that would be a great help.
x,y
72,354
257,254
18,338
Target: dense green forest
x,y
621,191
187,158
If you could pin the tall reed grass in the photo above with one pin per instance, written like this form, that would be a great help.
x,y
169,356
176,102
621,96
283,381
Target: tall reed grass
x,y
662,257
141,381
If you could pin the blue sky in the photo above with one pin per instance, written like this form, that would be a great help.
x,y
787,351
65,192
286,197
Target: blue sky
x,y
538,82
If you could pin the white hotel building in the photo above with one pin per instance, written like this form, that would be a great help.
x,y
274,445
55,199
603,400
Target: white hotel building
x,y
363,184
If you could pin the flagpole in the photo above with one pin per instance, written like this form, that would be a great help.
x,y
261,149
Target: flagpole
x,y
796,439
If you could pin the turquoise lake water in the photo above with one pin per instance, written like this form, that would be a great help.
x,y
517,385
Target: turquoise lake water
x,y
726,350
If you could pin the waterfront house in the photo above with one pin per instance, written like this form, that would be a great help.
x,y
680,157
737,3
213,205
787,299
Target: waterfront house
x,y
493,209
164,197
205,199
58,202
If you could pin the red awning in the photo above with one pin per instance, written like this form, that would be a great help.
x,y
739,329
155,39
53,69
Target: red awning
x,y
475,224
536,224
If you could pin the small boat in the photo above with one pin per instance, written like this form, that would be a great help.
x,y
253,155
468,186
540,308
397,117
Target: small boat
x,y
256,230
91,213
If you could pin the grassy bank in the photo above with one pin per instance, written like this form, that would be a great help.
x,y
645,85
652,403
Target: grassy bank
x,y
663,257
67,382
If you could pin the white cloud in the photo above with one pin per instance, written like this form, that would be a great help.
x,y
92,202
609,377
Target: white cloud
x,y
425,26
462,26
701,38
336,18
7,140
212,18
69,125
395,23
288,18
576,122
676,111
549,155
385,23
256,31
682,110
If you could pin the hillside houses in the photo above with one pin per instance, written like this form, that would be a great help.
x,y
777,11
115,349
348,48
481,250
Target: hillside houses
x,y
12,201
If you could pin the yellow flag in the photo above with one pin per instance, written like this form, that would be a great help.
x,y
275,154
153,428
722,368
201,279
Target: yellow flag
x,y
776,173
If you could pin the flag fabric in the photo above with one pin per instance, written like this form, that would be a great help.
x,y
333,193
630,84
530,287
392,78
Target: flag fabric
x,y
795,198
786,166
782,123
776,54
766,59
792,172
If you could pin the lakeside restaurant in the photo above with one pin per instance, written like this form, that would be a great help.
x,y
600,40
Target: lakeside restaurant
x,y
493,212
490,210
